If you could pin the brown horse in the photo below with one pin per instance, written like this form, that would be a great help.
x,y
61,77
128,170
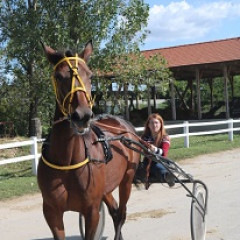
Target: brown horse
x,y
76,171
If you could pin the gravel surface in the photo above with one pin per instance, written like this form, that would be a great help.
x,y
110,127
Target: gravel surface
x,y
157,214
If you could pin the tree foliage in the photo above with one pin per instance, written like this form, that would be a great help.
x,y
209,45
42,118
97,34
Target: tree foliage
x,y
116,27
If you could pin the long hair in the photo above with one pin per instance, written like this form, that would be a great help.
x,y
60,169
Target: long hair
x,y
162,132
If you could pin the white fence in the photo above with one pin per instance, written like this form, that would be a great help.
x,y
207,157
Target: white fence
x,y
34,155
187,133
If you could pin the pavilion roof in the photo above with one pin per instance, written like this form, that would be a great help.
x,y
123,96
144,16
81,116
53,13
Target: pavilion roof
x,y
225,50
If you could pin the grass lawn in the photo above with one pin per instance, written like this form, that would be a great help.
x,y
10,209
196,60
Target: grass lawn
x,y
200,145
17,179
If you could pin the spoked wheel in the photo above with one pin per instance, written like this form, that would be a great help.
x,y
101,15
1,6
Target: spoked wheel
x,y
101,224
198,212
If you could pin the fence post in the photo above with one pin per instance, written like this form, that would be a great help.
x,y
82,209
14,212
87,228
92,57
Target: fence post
x,y
230,127
186,132
34,151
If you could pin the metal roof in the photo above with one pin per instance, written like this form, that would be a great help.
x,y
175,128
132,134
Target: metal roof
x,y
209,57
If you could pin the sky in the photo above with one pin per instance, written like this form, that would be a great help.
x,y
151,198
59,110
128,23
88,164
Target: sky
x,y
180,22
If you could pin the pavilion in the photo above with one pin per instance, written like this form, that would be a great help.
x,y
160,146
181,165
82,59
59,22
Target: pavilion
x,y
206,60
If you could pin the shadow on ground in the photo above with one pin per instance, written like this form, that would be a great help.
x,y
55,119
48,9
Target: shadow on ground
x,y
68,238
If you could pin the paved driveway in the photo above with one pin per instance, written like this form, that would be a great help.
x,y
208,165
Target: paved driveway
x,y
157,214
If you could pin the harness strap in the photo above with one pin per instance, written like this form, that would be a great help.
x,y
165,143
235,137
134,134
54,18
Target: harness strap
x,y
68,58
105,144
70,167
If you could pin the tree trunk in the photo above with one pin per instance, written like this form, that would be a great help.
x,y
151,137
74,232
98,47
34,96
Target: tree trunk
x,y
154,97
126,101
32,115
137,101
149,100
33,101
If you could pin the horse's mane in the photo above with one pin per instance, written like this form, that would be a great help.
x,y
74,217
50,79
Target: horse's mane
x,y
70,53
116,121
66,53
107,116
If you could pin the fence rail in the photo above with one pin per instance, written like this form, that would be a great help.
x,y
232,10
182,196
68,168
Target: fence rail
x,y
34,155
186,126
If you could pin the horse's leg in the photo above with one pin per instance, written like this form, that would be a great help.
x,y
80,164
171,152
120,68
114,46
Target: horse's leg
x,y
91,222
118,214
55,221
112,206
125,188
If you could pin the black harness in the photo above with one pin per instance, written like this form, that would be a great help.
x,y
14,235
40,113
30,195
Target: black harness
x,y
105,144
100,138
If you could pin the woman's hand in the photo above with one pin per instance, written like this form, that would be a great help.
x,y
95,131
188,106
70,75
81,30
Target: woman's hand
x,y
155,149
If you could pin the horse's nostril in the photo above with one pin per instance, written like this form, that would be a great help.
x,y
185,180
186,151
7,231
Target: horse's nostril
x,y
86,118
81,117
75,116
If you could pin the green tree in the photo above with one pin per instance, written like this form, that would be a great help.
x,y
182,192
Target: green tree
x,y
116,26
134,69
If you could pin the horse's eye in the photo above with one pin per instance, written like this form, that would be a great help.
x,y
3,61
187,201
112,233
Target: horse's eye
x,y
58,76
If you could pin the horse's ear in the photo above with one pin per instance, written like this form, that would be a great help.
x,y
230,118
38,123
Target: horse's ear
x,y
87,52
52,56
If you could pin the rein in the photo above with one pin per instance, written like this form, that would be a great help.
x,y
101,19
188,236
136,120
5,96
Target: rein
x,y
120,132
75,77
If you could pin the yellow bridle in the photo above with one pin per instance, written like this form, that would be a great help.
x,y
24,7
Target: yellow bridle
x,y
67,112
74,89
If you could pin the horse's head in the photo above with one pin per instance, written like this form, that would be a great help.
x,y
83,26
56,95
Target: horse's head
x,y
72,85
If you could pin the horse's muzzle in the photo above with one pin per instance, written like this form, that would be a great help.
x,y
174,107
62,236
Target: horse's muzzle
x,y
81,118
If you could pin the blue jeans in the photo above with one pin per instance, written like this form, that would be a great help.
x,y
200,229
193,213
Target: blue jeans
x,y
157,170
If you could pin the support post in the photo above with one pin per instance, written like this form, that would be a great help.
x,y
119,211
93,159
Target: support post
x,y
173,103
186,132
230,127
225,74
34,151
192,106
199,107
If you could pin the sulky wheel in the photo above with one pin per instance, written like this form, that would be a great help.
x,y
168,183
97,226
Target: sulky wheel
x,y
100,227
198,212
